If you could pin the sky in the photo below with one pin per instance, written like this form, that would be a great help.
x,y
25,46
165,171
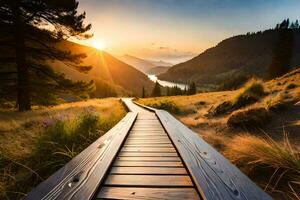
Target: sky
x,y
177,30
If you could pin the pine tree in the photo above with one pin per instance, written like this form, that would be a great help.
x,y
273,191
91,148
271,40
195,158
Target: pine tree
x,y
28,42
283,51
143,92
192,89
156,90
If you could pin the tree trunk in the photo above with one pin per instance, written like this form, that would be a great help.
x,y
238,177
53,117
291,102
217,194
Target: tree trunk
x,y
23,87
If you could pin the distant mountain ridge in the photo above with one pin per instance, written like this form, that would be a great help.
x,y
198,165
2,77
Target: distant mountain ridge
x,y
107,71
244,54
142,65
157,70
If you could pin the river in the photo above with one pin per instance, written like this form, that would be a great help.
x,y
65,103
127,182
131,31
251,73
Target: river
x,y
167,83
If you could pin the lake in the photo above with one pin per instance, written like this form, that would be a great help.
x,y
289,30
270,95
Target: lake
x,y
167,83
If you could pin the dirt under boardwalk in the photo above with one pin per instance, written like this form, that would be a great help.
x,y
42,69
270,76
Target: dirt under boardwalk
x,y
147,166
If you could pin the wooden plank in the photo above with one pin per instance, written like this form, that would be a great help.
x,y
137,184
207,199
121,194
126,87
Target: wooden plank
x,y
80,178
215,177
147,193
147,149
152,154
146,164
147,142
149,145
148,158
148,180
149,170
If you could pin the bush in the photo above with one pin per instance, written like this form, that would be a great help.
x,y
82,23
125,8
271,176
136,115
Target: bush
x,y
281,160
166,105
63,140
250,118
251,93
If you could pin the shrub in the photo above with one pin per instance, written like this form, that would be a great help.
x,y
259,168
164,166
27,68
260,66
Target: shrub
x,y
63,140
276,102
251,93
250,118
166,105
281,160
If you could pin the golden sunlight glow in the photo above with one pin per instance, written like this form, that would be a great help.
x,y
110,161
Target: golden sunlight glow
x,y
100,45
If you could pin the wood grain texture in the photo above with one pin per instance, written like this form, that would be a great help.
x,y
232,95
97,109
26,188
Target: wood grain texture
x,y
148,193
146,164
80,178
154,154
148,180
147,149
148,170
215,177
157,159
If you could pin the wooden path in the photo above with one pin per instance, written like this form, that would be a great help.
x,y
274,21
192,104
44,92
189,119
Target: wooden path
x,y
148,166
148,155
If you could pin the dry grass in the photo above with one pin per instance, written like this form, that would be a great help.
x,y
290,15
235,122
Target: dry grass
x,y
42,140
280,93
279,160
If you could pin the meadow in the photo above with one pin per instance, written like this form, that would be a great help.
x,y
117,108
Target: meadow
x,y
256,127
34,144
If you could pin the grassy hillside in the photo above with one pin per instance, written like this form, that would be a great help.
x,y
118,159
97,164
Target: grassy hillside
x,y
122,77
257,127
35,144
234,57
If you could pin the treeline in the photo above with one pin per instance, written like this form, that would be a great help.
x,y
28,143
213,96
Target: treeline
x,y
159,90
26,45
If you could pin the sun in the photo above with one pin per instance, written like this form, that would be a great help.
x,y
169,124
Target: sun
x,y
100,45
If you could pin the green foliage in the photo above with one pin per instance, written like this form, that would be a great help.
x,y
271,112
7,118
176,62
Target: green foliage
x,y
63,140
27,47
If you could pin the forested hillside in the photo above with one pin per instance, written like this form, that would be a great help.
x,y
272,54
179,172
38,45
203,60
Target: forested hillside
x,y
234,58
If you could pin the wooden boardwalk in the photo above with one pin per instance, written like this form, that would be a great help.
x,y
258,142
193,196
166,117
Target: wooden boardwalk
x,y
147,166
148,155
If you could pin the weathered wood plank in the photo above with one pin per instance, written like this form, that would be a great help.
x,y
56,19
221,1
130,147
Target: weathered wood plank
x,y
148,180
149,145
148,170
215,177
146,164
148,159
80,178
147,149
147,193
154,154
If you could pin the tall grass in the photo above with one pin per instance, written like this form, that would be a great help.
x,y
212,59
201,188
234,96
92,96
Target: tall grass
x,y
53,141
279,161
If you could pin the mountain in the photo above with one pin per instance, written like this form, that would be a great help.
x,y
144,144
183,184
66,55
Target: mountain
x,y
142,64
238,56
161,63
157,70
107,71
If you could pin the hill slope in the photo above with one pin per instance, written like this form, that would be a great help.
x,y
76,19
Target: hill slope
x,y
244,54
106,70
141,64
157,70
